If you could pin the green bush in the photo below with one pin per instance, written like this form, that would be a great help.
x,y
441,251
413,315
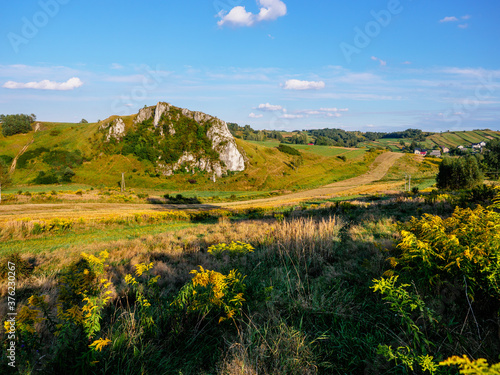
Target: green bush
x,y
288,150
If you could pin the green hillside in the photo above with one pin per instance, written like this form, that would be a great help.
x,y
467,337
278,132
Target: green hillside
x,y
435,140
57,146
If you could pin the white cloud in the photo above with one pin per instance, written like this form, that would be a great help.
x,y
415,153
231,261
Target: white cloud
x,y
322,112
406,63
466,17
269,10
449,19
270,108
463,25
116,66
334,109
253,115
291,117
295,84
238,16
382,62
70,84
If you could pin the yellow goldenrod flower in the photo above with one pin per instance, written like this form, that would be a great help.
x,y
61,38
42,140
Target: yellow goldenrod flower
x,y
97,345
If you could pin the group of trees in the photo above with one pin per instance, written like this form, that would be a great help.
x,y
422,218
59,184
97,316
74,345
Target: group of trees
x,y
468,171
15,124
460,173
415,134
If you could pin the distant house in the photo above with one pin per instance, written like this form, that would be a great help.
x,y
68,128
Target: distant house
x,y
423,152
460,147
476,145
483,144
420,152
436,153
445,149
417,151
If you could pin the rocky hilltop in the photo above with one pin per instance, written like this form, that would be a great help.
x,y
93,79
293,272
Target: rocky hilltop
x,y
177,139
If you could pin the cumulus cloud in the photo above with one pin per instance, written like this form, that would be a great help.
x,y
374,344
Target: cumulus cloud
x,y
295,84
463,25
449,19
270,108
382,62
253,115
70,84
269,10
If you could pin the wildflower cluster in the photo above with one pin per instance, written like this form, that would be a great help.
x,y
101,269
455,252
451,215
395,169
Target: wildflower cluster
x,y
234,249
212,292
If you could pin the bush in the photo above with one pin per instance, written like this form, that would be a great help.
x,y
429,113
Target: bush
x,y
288,150
46,178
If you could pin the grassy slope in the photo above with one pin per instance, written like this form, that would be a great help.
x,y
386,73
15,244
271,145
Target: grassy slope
x,y
268,169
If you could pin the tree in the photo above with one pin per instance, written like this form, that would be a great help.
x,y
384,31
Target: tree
x,y
461,173
15,124
492,157
84,121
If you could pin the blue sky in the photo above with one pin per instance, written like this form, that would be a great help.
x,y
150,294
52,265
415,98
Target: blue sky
x,y
274,64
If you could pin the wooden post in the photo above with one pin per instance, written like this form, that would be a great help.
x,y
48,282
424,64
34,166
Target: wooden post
x,y
409,184
123,182
0,192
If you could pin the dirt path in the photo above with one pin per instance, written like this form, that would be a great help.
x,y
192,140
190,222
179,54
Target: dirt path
x,y
98,210
23,150
378,170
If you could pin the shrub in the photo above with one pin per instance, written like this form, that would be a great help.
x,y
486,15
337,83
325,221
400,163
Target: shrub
x,y
46,178
289,150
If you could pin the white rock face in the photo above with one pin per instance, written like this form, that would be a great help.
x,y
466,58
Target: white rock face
x,y
144,114
116,130
223,142
160,109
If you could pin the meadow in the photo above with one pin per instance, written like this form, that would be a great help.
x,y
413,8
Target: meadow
x,y
324,287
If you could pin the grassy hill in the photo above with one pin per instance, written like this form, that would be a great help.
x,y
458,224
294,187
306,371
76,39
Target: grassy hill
x,y
59,145
446,139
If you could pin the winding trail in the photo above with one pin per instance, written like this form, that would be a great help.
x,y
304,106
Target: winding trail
x,y
377,171
23,150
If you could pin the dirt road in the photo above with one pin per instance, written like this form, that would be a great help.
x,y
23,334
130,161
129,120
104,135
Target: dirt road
x,y
378,170
65,210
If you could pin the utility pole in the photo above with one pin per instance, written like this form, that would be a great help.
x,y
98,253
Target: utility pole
x,y
405,181
409,184
123,182
0,192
